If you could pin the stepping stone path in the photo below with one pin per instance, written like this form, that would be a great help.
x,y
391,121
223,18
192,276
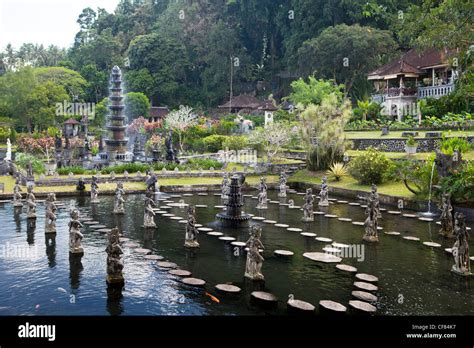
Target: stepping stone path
x,y
301,305
130,245
269,222
215,234
330,216
153,257
166,264
363,306
238,244
365,286
227,239
264,296
204,229
425,219
332,306
367,277
432,244
411,238
323,239
345,219
284,253
322,257
358,223
364,296
258,218
394,212
193,281
410,215
294,229
392,233
282,225
228,288
142,250
308,234
346,268
180,272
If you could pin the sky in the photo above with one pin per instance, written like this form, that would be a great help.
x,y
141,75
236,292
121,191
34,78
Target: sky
x,y
44,21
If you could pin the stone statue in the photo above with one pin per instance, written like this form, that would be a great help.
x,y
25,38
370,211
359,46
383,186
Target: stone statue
x,y
114,255
371,224
149,215
31,203
170,153
8,156
225,188
81,185
255,260
50,214
462,264
151,182
58,143
323,194
283,179
29,171
375,197
262,194
446,218
119,207
75,235
17,195
192,232
94,190
308,206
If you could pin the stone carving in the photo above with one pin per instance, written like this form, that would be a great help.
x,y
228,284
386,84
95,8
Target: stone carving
x,y
323,194
170,152
255,260
50,214
446,218
114,255
191,230
94,190
75,235
371,224
119,207
151,181
81,185
375,197
308,206
31,203
262,194
17,195
462,264
233,214
283,180
149,215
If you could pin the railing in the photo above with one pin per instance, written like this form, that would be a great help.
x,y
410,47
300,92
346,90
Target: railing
x,y
435,91
378,98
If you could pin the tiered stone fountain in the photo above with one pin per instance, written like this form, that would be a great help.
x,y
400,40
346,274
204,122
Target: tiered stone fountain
x,y
233,215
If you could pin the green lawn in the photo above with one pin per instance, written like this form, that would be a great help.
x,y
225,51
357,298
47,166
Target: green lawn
x,y
377,134
392,188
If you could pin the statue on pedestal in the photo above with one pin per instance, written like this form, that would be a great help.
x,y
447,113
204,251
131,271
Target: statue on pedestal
x,y
94,190
119,207
149,216
323,194
371,224
462,264
114,262
308,206
31,203
170,153
283,180
17,195
75,235
151,182
375,197
8,156
192,232
50,214
446,218
262,194
255,260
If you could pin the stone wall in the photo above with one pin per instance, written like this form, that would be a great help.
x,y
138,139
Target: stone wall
x,y
398,145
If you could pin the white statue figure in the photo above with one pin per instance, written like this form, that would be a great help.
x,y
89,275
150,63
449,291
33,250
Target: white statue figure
x,y
308,206
75,235
255,260
462,262
283,179
31,203
8,156
191,230
323,194
262,194
119,207
50,214
17,195
149,215
94,190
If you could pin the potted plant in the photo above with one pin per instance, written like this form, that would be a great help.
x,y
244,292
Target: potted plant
x,y
411,145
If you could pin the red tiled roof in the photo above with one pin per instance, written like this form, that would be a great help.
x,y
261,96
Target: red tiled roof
x,y
159,111
243,101
72,121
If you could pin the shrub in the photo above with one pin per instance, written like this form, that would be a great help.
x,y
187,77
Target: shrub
x,y
129,167
460,184
76,170
411,142
22,160
214,142
369,167
449,145
236,142
337,170
5,133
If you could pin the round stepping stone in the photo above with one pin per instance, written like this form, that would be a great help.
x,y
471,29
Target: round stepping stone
x,y
175,196
332,250
300,193
284,253
438,222
274,202
167,201
363,206
202,194
168,215
471,258
104,230
394,212
86,219
411,238
179,272
228,288
193,281
153,257
449,250
319,213
382,209
219,206
301,305
322,257
425,219
332,306
345,219
176,218
91,223
432,244
227,239
204,229
217,194
217,234
251,215
365,286
294,229
142,250
340,245
124,239
258,218
269,222
364,296
362,306
332,199
367,277
188,195
323,239
201,206
330,216
130,245
166,207
239,244
379,228
342,202
166,264
410,215
264,296
182,221
160,211
346,268
308,234
259,250
392,233
283,204
295,207
247,195
468,228
354,203
197,225
282,225
358,223
97,227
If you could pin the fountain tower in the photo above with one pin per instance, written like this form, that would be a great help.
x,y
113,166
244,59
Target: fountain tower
x,y
233,216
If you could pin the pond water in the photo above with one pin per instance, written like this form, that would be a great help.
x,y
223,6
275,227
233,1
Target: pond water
x,y
414,279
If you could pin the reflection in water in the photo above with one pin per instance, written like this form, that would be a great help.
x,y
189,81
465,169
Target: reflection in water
x,y
75,269
148,237
17,218
114,299
50,241
94,211
30,231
